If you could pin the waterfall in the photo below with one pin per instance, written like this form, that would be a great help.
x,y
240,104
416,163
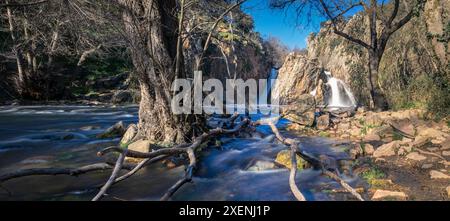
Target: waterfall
x,y
341,95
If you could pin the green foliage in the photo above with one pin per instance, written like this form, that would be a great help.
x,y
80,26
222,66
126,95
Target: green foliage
x,y
372,175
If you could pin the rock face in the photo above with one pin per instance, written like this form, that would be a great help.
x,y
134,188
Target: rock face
x,y
348,61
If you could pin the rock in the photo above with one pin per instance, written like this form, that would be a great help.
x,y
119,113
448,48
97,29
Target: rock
x,y
389,195
387,150
374,120
431,133
170,164
371,137
368,149
117,130
420,142
446,153
446,144
284,158
302,110
416,156
405,127
122,97
261,166
143,146
88,128
434,174
448,191
323,122
427,166
355,151
129,134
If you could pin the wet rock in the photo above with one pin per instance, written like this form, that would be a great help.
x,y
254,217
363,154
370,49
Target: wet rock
x,y
117,130
129,134
387,150
323,122
261,166
416,156
88,128
389,195
368,149
434,174
284,158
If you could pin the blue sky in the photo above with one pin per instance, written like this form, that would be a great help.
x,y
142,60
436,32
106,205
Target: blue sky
x,y
286,25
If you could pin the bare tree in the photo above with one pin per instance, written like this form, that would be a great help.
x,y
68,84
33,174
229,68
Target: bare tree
x,y
384,17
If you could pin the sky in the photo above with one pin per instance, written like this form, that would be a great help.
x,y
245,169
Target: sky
x,y
291,29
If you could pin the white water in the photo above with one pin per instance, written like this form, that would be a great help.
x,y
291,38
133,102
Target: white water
x,y
339,98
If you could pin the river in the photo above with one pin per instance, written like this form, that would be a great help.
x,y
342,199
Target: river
x,y
64,136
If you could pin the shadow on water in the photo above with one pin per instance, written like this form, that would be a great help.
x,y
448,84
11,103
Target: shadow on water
x,y
64,136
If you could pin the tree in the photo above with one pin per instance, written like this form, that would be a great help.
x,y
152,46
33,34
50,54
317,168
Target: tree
x,y
384,20
277,51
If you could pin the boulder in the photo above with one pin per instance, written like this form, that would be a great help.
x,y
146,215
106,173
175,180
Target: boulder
x,y
446,153
301,111
284,158
143,146
323,122
405,127
117,130
448,191
129,134
416,156
387,149
434,174
261,166
389,195
374,120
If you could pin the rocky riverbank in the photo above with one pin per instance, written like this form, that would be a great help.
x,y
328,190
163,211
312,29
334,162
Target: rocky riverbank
x,y
402,155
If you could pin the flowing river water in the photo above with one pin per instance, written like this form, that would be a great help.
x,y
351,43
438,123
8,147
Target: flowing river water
x,y
64,136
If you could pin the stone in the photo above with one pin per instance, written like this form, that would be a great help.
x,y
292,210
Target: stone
x,y
420,142
389,195
446,144
416,156
448,191
368,149
122,97
284,158
434,174
116,130
301,111
371,137
405,127
323,122
374,120
261,166
431,133
143,146
446,153
387,150
427,166
129,134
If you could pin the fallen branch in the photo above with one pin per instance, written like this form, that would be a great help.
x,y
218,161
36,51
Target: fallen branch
x,y
55,171
113,176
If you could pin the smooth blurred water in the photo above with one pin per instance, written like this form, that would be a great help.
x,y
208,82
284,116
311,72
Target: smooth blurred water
x,y
64,136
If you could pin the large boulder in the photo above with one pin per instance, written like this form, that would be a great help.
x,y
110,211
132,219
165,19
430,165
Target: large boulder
x,y
284,158
301,111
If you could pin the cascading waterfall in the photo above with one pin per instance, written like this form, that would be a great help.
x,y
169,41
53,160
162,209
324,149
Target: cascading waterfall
x,y
341,95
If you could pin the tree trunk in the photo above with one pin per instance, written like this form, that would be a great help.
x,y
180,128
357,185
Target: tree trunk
x,y
377,99
17,51
152,33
